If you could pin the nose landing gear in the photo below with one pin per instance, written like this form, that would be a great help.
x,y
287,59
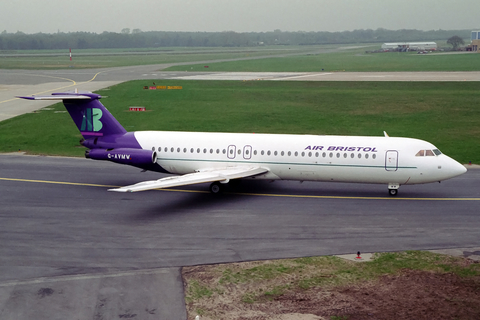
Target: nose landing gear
x,y
393,189
393,192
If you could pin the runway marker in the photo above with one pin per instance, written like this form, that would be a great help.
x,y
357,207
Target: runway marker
x,y
251,194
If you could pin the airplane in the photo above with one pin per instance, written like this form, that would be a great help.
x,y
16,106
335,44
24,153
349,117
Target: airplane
x,y
218,158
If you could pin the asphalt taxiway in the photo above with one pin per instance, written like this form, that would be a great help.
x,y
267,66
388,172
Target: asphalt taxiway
x,y
70,247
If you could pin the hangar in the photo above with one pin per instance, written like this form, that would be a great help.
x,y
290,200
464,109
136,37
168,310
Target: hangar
x,y
475,41
406,46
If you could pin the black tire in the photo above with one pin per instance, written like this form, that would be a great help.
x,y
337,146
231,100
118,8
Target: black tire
x,y
216,188
393,192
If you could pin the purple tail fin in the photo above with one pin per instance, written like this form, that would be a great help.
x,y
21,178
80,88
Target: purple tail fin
x,y
90,116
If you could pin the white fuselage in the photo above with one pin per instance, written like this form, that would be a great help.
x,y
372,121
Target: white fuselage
x,y
303,157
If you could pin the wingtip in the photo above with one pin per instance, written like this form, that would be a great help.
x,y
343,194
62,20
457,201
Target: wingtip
x,y
28,98
120,190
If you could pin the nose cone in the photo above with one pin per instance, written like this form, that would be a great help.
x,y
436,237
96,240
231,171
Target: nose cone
x,y
454,168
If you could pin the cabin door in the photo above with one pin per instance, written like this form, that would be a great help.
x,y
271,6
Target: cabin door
x,y
391,160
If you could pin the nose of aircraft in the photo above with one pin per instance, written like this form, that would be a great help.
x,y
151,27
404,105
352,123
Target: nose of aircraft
x,y
454,168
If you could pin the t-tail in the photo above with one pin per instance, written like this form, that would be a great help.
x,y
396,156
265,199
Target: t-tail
x,y
102,134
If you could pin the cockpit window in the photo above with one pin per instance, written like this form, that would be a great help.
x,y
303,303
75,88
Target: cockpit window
x,y
428,153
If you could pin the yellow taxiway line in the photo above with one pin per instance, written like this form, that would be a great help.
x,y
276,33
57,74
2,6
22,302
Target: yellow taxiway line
x,y
250,194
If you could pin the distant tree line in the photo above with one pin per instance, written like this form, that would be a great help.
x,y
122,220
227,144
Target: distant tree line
x,y
155,39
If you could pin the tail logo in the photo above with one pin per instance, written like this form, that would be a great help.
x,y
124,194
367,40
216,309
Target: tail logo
x,y
91,121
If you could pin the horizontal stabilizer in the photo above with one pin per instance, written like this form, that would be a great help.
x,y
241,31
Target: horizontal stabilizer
x,y
221,174
58,97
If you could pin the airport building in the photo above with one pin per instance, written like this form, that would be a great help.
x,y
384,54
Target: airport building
x,y
475,45
406,46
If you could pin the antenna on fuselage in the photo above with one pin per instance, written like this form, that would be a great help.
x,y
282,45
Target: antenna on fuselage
x,y
386,135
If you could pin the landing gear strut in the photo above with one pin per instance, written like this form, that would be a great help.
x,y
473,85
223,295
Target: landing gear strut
x,y
216,187
393,189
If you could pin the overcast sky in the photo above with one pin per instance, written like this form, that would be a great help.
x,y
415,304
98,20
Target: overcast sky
x,y
50,16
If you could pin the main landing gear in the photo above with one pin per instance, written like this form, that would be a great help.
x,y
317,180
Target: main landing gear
x,y
393,189
216,187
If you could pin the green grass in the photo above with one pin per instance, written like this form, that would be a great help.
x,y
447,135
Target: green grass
x,y
308,59
327,272
443,113
107,58
197,291
350,60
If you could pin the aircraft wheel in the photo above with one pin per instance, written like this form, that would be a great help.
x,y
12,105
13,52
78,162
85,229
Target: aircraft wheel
x,y
393,192
216,188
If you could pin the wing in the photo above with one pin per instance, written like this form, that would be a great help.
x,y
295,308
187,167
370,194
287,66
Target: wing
x,y
220,174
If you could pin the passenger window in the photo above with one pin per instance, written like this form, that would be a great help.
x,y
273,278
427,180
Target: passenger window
x,y
172,149
268,152
289,153
275,153
324,154
198,150
166,149
184,150
374,156
159,149
263,152
191,150
296,153
366,156
317,154
303,154
345,155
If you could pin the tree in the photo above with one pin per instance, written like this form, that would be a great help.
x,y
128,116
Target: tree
x,y
455,41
